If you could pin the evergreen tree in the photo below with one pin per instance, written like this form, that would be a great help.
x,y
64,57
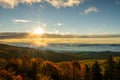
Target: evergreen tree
x,y
117,71
96,72
109,69
87,73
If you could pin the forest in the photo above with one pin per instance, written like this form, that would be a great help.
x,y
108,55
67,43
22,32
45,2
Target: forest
x,y
26,68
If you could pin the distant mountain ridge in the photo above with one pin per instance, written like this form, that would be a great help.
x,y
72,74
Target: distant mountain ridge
x,y
8,35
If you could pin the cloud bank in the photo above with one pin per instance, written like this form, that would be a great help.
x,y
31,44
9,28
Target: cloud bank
x,y
90,10
55,3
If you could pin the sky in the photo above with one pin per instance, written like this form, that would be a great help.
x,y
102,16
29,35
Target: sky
x,y
61,16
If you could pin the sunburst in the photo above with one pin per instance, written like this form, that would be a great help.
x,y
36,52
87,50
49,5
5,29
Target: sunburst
x,y
38,31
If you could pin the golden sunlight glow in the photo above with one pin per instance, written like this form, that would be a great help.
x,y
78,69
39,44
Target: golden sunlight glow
x,y
38,31
36,37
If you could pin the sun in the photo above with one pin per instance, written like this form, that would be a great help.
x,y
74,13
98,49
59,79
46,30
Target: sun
x,y
38,31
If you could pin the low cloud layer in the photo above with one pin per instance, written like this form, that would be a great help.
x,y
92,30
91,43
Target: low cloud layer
x,y
90,10
55,3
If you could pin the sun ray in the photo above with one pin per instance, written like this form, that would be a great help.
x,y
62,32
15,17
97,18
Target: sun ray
x,y
37,35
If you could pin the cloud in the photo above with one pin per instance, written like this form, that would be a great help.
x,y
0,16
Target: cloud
x,y
64,3
56,32
13,3
42,24
55,3
8,3
58,24
29,1
62,33
21,21
90,10
42,6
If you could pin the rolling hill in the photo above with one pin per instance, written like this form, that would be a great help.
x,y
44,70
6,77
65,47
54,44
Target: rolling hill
x,y
7,51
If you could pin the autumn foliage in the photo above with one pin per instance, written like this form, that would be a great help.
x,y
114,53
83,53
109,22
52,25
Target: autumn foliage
x,y
38,69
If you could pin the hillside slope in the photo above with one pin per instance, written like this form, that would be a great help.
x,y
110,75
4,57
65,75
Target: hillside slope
x,y
7,51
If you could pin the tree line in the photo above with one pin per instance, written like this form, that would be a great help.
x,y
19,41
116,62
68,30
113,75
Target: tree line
x,y
38,69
